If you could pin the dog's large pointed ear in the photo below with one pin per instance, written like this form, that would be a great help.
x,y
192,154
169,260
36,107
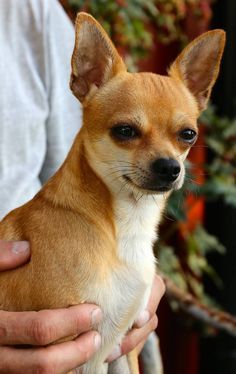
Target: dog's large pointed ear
x,y
198,65
95,60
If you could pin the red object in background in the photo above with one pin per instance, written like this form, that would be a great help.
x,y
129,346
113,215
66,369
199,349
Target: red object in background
x,y
198,18
195,205
160,55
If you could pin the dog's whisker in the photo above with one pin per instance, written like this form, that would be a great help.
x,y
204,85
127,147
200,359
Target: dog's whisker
x,y
155,201
124,184
123,165
141,195
194,181
120,161
116,172
181,154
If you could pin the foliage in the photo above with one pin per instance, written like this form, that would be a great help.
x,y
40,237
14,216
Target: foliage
x,y
221,170
126,22
187,268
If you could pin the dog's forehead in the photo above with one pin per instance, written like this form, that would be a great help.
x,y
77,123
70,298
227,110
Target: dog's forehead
x,y
155,96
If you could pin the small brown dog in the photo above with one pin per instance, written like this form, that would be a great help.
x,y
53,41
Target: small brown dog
x,y
91,227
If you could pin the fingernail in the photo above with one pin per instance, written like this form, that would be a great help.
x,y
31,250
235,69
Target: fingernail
x,y
97,341
142,319
20,247
115,353
96,316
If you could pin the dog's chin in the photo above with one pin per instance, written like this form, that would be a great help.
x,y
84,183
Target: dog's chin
x,y
152,187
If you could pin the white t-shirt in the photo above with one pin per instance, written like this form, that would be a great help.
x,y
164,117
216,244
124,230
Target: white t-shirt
x,y
39,116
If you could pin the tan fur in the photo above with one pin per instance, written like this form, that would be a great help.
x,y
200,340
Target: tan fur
x,y
195,67
75,223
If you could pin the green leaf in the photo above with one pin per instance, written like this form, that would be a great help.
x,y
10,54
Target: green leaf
x,y
170,265
206,242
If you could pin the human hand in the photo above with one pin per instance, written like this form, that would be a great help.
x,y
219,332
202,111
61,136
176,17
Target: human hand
x,y
144,325
39,329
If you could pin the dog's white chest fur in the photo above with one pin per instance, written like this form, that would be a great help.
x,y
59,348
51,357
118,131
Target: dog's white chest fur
x,y
136,231
128,289
135,226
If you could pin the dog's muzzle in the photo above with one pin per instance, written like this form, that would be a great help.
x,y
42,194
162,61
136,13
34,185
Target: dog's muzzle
x,y
162,176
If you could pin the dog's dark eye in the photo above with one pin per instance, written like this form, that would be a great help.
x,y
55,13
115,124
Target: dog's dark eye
x,y
124,132
187,135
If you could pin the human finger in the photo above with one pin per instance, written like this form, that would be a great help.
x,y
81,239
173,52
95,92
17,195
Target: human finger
x,y
47,326
13,254
135,337
57,359
157,292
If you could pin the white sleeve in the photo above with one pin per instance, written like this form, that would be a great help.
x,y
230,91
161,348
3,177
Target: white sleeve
x,y
64,118
39,116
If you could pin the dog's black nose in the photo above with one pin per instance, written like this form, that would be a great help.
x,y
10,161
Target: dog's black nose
x,y
166,169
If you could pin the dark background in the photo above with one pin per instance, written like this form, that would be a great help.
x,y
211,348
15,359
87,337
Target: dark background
x,y
218,353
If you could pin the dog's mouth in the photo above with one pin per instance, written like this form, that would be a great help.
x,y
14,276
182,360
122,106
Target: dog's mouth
x,y
151,186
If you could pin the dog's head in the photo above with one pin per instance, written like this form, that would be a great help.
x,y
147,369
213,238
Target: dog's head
x,y
138,128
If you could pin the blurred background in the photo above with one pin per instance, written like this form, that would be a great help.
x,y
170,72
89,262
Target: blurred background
x,y
197,246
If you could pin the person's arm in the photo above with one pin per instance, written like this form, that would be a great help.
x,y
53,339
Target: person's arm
x,y
42,328
39,116
65,114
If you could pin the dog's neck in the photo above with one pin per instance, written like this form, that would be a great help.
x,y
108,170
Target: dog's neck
x,y
76,187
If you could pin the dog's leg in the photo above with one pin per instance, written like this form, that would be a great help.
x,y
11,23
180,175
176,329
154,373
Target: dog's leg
x,y
119,366
103,369
132,358
125,365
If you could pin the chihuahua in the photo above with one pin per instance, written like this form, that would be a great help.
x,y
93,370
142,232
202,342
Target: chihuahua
x,y
92,225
